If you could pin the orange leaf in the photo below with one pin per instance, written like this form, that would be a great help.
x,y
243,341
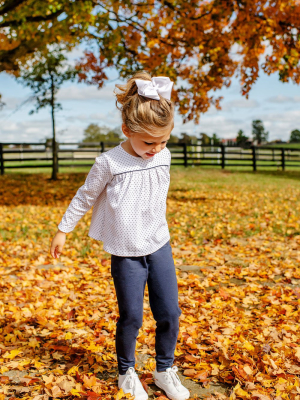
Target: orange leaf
x,y
145,386
201,375
191,358
4,379
223,294
189,372
89,381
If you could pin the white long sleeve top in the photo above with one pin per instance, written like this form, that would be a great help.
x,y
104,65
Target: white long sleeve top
x,y
129,198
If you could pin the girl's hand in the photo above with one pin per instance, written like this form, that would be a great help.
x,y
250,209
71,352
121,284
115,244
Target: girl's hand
x,y
57,244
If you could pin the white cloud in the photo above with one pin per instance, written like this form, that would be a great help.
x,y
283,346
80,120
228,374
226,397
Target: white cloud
x,y
284,99
28,131
112,118
11,103
86,93
225,127
78,117
239,103
279,124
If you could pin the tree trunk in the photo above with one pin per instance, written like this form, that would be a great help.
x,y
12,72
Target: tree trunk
x,y
54,146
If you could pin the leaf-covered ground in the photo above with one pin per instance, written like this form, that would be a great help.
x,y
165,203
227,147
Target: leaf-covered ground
x,y
238,232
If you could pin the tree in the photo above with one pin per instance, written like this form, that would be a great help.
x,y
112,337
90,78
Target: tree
x,y
205,139
241,139
215,139
189,41
187,139
28,27
96,133
295,136
1,103
258,131
44,76
173,139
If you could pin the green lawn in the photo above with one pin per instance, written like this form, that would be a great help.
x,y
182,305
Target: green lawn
x,y
286,145
244,164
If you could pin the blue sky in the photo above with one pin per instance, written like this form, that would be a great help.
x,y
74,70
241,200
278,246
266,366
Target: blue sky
x,y
275,103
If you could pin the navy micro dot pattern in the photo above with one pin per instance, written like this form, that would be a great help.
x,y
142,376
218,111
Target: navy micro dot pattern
x,y
129,198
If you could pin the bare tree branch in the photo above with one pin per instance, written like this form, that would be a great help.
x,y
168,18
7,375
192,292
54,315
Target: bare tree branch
x,y
10,5
39,18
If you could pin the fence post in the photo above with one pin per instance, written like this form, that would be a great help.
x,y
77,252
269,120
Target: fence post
x,y
2,159
185,155
254,158
223,156
282,159
57,158
102,147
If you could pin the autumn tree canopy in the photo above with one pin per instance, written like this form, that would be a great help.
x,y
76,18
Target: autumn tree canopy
x,y
200,45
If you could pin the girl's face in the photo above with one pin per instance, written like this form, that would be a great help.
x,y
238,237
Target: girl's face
x,y
145,145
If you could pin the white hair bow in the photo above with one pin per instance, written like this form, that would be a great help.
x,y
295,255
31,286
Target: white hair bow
x,y
158,85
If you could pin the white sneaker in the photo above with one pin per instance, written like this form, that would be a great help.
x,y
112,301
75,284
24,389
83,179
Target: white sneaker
x,y
169,382
130,383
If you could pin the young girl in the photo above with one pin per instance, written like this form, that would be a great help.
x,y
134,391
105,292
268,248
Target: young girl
x,y
128,186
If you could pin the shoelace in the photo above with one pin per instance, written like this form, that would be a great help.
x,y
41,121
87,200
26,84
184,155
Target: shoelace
x,y
172,376
131,379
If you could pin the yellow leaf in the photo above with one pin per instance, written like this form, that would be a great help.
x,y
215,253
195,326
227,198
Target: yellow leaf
x,y
248,370
248,346
120,394
178,353
73,370
68,336
12,354
38,364
297,353
33,343
240,392
75,392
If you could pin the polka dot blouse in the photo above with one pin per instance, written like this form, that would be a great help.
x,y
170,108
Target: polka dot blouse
x,y
129,198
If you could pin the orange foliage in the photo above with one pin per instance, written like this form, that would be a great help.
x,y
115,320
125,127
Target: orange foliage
x,y
199,44
58,318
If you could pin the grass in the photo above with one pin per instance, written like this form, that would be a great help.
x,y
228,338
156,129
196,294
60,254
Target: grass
x,y
189,175
214,167
233,226
209,201
213,176
244,164
286,145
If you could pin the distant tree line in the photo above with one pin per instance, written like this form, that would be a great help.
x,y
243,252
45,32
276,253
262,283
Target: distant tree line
x,y
259,136
96,133
295,136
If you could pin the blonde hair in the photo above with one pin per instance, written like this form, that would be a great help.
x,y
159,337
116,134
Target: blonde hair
x,y
141,114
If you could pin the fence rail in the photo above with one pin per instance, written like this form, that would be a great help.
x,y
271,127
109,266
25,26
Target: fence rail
x,y
182,154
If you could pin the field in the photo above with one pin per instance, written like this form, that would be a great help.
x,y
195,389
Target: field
x,y
236,239
286,145
80,160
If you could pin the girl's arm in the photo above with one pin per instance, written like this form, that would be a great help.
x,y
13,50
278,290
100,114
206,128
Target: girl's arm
x,y
83,200
87,194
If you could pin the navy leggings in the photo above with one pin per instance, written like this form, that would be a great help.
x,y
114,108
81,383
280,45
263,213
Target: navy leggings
x,y
130,275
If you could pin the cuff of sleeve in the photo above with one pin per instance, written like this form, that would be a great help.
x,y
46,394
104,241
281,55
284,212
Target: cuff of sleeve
x,y
63,229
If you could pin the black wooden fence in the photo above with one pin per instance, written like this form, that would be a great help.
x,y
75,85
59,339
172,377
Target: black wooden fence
x,y
72,155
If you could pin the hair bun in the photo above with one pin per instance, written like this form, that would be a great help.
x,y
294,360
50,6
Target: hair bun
x,y
139,113
130,89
